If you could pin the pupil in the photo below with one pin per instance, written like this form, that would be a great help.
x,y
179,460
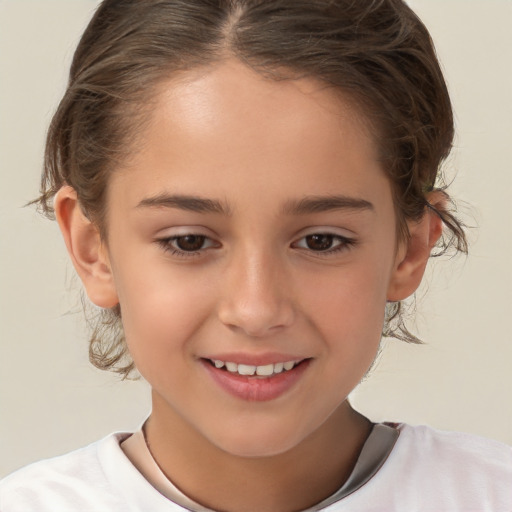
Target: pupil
x,y
190,242
319,242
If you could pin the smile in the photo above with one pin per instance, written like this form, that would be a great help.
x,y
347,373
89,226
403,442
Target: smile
x,y
256,383
249,370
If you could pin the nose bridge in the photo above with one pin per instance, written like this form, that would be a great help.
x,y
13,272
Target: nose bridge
x,y
257,295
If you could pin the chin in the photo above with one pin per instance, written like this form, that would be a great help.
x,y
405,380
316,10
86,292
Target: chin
x,y
258,441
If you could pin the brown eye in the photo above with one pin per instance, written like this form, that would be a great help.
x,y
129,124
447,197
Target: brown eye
x,y
190,243
325,244
320,242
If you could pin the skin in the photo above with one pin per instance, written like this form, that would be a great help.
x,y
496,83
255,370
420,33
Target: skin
x,y
257,286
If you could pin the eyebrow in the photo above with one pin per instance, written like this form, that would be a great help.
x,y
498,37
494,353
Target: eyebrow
x,y
306,205
184,202
319,204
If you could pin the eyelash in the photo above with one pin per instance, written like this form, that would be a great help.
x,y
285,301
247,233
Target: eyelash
x,y
343,245
166,244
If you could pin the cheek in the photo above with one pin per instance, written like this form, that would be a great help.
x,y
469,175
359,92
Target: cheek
x,y
351,327
161,310
349,306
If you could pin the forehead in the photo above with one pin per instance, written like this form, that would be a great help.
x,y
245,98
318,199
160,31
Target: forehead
x,y
231,96
227,129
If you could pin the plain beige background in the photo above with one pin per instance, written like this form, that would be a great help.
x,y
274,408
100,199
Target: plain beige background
x,y
52,400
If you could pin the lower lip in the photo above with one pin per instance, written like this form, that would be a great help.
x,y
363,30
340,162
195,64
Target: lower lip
x,y
256,389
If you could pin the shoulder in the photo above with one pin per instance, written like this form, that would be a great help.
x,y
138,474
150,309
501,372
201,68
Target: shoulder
x,y
430,470
95,478
442,448
451,469
75,481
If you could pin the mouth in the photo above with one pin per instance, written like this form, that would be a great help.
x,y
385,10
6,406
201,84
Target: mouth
x,y
264,371
256,383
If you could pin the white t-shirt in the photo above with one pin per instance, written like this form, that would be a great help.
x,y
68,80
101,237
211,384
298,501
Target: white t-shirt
x,y
427,471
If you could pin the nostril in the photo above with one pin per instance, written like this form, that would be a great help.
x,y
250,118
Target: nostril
x,y
256,320
256,296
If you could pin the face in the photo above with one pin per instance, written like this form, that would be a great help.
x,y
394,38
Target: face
x,y
252,245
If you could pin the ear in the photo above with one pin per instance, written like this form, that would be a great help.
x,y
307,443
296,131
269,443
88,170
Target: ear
x,y
413,255
86,249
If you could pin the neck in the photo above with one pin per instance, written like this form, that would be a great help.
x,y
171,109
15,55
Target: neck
x,y
294,480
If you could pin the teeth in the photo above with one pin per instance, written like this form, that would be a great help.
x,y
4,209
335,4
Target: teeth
x,y
278,367
248,370
245,369
265,370
232,367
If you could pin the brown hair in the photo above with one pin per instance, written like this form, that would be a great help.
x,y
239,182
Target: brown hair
x,y
377,51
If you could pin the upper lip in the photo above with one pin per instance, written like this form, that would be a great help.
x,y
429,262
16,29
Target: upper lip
x,y
255,359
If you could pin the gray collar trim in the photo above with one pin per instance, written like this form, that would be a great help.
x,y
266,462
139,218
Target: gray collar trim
x,y
375,451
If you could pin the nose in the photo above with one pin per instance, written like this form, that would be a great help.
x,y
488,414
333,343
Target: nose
x,y
257,296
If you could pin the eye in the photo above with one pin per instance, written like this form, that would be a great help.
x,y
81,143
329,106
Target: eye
x,y
320,242
189,243
186,245
324,242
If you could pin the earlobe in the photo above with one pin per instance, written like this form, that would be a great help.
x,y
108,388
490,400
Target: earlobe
x,y
413,256
86,249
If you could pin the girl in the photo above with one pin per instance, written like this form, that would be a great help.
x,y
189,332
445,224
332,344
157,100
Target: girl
x,y
248,191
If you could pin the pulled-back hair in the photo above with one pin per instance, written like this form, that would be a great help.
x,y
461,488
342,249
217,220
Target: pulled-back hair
x,y
377,52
